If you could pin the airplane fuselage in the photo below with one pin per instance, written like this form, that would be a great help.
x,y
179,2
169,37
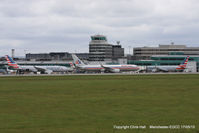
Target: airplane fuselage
x,y
123,67
44,68
167,68
108,68
27,68
54,68
94,68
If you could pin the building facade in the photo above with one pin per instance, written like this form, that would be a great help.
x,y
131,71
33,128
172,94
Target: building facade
x,y
48,56
57,56
146,52
117,52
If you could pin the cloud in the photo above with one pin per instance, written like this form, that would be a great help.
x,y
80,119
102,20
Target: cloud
x,y
60,25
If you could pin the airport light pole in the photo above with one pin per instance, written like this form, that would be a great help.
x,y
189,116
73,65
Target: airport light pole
x,y
129,50
25,50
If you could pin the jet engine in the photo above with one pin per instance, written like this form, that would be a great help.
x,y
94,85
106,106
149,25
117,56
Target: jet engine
x,y
115,70
48,71
102,70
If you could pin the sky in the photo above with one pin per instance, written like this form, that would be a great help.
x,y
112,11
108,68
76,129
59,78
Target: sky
x,y
41,26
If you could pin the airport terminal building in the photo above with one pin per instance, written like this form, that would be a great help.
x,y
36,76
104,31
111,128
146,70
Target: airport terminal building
x,y
165,55
54,56
147,52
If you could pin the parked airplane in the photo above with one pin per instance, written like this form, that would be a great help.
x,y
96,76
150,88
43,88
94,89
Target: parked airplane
x,y
31,68
175,68
103,68
19,68
120,68
86,68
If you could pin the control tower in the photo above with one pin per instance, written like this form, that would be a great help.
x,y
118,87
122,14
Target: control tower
x,y
100,49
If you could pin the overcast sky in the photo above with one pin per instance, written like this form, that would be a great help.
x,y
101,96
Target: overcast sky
x,y
32,26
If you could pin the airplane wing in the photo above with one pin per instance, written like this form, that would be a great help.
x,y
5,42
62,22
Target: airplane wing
x,y
105,67
42,69
110,69
162,69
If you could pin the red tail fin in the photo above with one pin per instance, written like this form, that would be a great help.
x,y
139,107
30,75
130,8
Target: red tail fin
x,y
11,62
184,63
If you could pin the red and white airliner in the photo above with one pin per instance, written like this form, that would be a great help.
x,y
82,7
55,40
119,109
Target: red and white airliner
x,y
103,68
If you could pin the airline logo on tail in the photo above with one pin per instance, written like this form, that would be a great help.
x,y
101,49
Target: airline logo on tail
x,y
11,62
77,61
184,63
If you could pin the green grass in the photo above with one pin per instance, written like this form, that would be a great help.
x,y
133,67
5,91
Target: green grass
x,y
94,104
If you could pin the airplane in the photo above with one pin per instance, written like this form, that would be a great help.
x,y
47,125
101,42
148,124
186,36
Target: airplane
x,y
35,69
103,68
86,68
19,68
176,68
120,68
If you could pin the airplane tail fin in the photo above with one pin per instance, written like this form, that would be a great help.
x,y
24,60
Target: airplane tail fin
x,y
11,62
77,61
184,63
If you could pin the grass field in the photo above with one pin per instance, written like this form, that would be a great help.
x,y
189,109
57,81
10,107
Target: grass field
x,y
94,104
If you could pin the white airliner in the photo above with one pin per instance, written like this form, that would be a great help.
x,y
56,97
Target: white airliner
x,y
86,68
103,68
175,68
120,68
31,68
